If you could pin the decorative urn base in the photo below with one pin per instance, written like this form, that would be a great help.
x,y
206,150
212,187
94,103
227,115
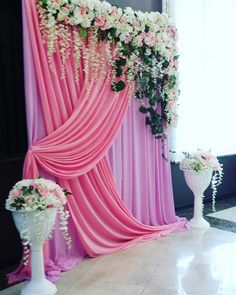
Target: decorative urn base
x,y
198,183
38,228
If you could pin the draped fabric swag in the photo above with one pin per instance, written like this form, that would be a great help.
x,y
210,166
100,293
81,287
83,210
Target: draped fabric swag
x,y
81,121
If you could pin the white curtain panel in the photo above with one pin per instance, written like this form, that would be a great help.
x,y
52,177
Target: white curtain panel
x,y
207,47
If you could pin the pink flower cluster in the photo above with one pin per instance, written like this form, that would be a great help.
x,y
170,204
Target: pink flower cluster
x,y
200,160
35,194
38,195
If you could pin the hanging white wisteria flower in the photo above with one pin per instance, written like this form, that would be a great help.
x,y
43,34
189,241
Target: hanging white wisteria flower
x,y
145,50
204,160
37,195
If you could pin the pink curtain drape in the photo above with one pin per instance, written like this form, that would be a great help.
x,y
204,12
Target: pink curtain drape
x,y
142,176
80,126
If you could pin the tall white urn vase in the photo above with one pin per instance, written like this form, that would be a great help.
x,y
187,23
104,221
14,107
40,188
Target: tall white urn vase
x,y
198,183
39,228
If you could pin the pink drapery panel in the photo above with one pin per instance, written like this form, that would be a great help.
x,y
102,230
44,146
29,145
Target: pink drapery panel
x,y
102,222
58,257
85,121
142,176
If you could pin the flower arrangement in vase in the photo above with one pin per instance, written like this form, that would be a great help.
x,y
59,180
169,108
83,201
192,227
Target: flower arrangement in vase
x,y
34,204
200,168
202,161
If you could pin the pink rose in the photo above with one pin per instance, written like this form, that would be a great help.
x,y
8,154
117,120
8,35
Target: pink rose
x,y
140,43
208,156
171,64
113,10
83,10
175,118
43,191
143,35
57,193
150,39
172,32
68,6
136,25
28,199
36,186
66,19
170,104
176,63
122,20
100,22
16,193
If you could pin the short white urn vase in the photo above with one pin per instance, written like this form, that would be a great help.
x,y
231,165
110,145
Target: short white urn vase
x,y
198,183
38,227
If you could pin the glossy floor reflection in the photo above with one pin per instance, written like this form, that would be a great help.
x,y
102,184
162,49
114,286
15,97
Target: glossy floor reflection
x,y
188,263
227,214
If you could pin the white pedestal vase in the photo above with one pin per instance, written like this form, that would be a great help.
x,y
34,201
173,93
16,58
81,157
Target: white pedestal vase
x,y
39,228
198,183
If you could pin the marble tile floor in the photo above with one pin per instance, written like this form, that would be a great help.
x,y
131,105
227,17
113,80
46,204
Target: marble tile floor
x,y
226,214
223,218
186,263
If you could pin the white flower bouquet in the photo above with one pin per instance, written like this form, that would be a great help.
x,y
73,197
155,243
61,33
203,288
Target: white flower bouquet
x,y
38,195
204,160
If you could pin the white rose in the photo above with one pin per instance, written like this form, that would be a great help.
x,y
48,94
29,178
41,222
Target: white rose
x,y
105,6
51,21
61,16
24,182
86,23
83,3
123,36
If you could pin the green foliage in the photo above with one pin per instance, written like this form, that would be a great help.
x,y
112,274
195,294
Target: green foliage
x,y
120,62
118,86
125,50
27,190
138,94
147,28
165,64
172,82
66,192
152,101
111,34
147,60
83,32
196,166
118,71
19,203
143,110
100,36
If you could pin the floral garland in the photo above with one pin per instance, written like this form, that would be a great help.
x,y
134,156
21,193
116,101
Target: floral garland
x,y
145,50
38,195
203,160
